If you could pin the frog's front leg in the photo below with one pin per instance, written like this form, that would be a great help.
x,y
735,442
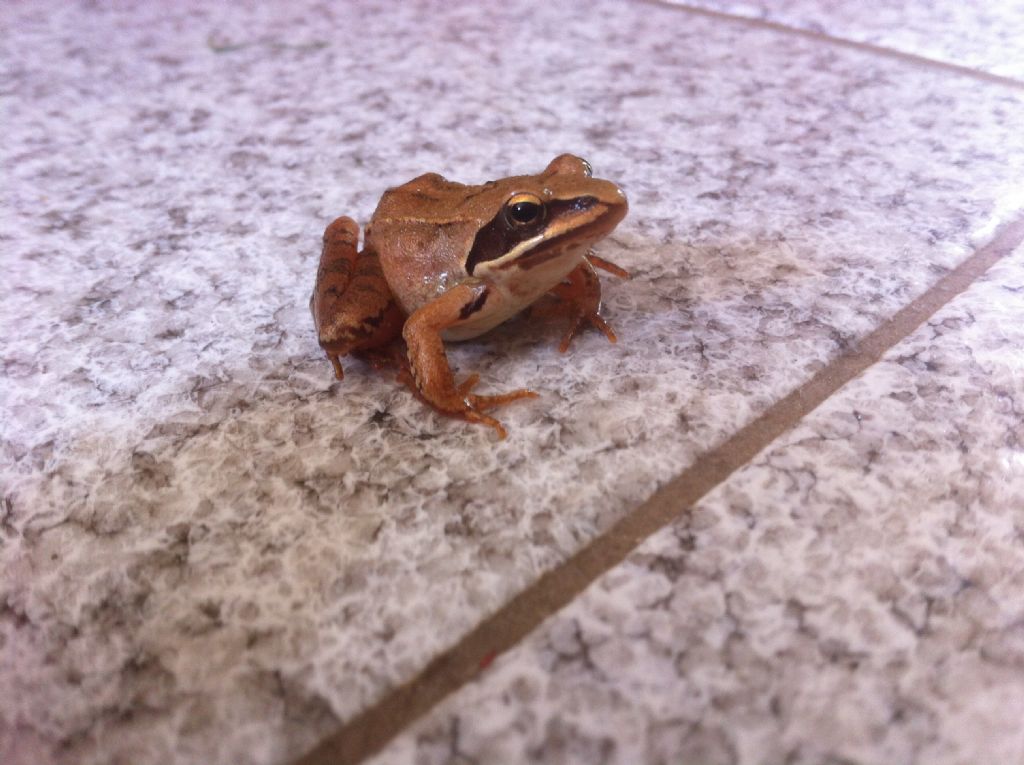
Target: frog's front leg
x,y
580,296
353,308
431,376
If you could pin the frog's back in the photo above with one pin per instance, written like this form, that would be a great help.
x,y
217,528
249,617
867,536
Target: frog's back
x,y
428,197
422,238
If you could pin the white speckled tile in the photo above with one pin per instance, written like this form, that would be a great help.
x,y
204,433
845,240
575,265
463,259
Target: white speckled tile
x,y
855,594
211,550
988,36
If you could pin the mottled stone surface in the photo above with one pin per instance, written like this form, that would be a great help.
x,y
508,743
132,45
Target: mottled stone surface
x,y
855,594
211,550
988,36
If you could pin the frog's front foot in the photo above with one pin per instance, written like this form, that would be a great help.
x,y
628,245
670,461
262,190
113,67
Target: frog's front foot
x,y
470,407
579,299
577,321
427,371
460,402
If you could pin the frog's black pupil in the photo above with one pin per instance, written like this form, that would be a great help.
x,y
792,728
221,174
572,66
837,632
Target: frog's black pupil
x,y
524,212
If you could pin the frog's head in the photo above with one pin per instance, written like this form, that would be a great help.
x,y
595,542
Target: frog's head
x,y
543,223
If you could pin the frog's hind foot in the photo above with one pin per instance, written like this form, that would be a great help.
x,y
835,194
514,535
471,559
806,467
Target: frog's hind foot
x,y
353,308
339,373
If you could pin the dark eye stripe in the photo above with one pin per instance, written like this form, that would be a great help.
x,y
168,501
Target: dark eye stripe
x,y
497,237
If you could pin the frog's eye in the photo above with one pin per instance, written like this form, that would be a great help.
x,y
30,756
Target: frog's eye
x,y
524,210
587,169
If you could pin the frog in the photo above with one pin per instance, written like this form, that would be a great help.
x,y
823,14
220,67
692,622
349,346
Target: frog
x,y
444,262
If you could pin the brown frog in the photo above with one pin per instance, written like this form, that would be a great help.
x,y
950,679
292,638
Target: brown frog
x,y
444,261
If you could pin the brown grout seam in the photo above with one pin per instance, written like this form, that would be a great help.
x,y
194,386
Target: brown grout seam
x,y
912,58
374,727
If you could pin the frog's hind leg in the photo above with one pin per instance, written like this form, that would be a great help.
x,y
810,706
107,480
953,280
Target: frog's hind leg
x,y
353,308
579,297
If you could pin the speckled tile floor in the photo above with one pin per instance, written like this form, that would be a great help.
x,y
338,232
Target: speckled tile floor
x,y
214,552
854,594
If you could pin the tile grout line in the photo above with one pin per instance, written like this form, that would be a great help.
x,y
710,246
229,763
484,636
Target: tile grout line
x,y
370,730
899,55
